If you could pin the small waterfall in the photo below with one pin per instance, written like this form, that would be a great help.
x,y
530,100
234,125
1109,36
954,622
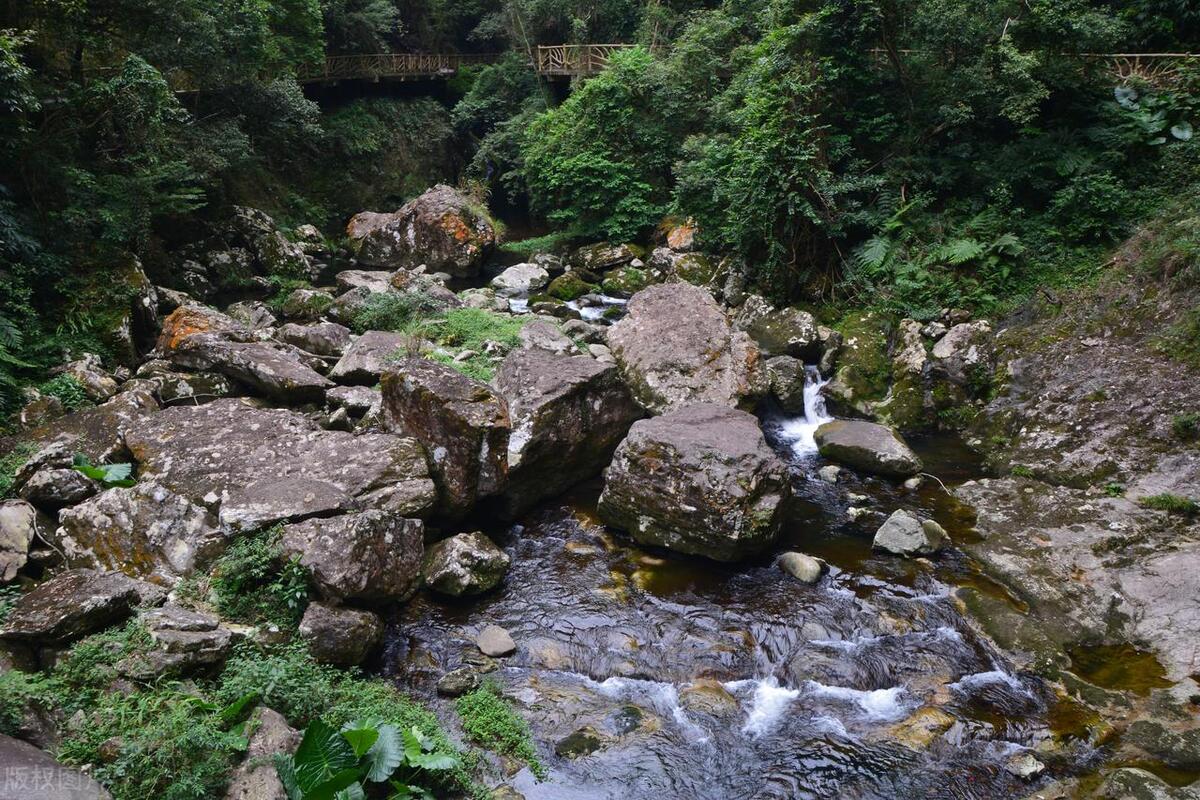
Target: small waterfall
x,y
798,431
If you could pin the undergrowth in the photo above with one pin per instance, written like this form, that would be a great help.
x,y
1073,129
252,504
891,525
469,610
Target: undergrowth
x,y
489,719
253,582
1171,503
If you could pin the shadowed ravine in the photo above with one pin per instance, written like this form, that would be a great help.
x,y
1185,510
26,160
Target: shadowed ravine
x,y
711,681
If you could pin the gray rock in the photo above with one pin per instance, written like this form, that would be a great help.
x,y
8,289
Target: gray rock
x,y
75,603
340,636
787,332
544,335
675,347
787,377
1024,766
253,314
88,372
699,480
347,305
442,229
521,279
371,556
905,535
175,387
466,564
19,526
306,304
256,467
357,400
464,424
374,281
98,432
147,530
965,354
458,682
867,446
830,473
256,778
496,642
51,489
601,256
183,642
262,368
31,774
368,356
802,567
568,415
321,339
1131,783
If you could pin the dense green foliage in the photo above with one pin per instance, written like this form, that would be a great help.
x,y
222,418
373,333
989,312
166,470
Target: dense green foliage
x,y
253,582
490,720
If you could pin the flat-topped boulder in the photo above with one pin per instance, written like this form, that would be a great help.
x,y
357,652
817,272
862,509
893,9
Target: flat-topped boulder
x,y
675,347
568,415
700,480
75,603
464,425
520,279
374,281
868,447
319,338
443,229
263,368
146,531
370,556
256,467
367,357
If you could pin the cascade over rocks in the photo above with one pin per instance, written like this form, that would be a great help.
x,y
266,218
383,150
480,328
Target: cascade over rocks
x,y
443,229
676,347
146,531
464,425
867,446
568,415
369,556
75,603
699,480
256,467
367,357
466,564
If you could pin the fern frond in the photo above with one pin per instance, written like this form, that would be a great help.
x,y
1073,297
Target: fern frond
x,y
960,251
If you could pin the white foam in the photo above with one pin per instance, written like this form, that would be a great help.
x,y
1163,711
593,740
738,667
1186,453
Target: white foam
x,y
767,705
883,705
798,431
663,697
978,679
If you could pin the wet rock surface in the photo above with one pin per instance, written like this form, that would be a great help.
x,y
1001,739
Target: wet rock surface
x,y
700,480
341,636
464,564
867,446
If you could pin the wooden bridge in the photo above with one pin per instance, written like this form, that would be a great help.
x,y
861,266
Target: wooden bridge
x,y
564,60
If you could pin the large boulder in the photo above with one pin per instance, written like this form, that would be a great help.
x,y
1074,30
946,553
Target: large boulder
x,y
321,339
699,480
787,332
190,319
676,347
19,524
367,357
568,415
173,386
256,467
965,356
146,531
274,253
340,636
443,229
182,642
905,535
464,424
75,603
370,556
263,368
466,564
520,279
374,281
33,774
867,446
97,433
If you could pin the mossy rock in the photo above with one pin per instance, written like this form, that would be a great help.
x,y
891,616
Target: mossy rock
x,y
696,268
864,366
626,281
905,408
570,286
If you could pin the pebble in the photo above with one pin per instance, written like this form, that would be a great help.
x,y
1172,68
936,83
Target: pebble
x,y
495,641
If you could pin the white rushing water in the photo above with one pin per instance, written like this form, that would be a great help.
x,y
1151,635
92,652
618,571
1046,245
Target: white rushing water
x,y
798,431
767,705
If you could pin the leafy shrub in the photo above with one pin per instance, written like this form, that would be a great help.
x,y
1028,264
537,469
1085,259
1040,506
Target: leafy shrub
x,y
286,679
11,463
331,762
1021,471
394,311
17,690
8,598
1186,426
1171,503
82,676
471,329
490,720
252,582
68,390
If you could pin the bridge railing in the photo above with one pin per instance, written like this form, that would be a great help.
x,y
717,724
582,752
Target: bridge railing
x,y
575,59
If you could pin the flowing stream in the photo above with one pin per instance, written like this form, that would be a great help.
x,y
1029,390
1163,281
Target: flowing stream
x,y
705,681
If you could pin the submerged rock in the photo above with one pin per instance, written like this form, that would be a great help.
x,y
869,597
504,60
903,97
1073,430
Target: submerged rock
x,y
905,535
443,229
371,556
568,415
676,347
867,446
466,564
463,423
256,467
340,636
699,480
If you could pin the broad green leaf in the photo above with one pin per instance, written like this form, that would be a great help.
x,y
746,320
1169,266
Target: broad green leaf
x,y
361,736
234,710
347,779
1126,96
285,768
323,753
116,472
353,792
1182,131
385,755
